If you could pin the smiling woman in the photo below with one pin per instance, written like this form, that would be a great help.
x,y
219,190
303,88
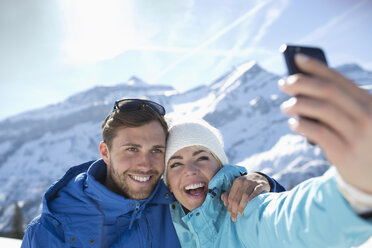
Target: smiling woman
x,y
197,173
199,165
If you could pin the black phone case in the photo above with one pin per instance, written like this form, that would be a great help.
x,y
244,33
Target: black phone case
x,y
289,52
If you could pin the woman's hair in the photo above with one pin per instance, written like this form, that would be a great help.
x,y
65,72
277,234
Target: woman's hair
x,y
194,133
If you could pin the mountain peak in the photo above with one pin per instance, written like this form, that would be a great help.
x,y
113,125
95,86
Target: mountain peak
x,y
251,67
242,73
346,68
246,66
135,81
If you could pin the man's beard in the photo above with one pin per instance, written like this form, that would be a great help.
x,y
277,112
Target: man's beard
x,y
119,183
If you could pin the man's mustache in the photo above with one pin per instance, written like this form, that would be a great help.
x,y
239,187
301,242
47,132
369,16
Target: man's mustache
x,y
147,173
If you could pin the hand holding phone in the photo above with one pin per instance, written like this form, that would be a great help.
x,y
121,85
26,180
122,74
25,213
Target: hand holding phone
x,y
344,111
289,52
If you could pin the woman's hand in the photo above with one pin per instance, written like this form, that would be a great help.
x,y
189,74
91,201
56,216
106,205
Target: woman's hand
x,y
244,189
344,114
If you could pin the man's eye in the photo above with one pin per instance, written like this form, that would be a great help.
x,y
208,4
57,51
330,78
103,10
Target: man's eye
x,y
157,151
174,165
203,158
132,149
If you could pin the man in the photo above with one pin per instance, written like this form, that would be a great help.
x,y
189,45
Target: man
x,y
119,201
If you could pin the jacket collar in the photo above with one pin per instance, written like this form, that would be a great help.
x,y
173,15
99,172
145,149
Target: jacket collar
x,y
206,218
111,202
89,175
220,183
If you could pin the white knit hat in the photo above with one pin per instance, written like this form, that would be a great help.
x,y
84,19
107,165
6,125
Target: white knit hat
x,y
194,133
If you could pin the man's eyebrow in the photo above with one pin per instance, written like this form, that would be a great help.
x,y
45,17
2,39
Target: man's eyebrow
x,y
159,146
131,144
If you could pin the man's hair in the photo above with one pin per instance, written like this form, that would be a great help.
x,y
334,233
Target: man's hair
x,y
136,118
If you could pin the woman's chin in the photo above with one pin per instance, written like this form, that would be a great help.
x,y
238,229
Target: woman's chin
x,y
194,204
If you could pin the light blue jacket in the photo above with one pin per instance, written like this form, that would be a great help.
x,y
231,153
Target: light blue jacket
x,y
79,211
313,214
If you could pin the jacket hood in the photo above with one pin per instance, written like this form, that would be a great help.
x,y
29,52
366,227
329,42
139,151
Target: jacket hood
x,y
69,194
53,190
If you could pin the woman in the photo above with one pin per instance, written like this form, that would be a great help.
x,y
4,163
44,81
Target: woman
x,y
313,214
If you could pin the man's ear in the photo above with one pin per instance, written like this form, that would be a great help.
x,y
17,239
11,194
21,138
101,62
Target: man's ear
x,y
105,154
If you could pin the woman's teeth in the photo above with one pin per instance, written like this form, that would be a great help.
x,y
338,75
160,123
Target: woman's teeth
x,y
194,186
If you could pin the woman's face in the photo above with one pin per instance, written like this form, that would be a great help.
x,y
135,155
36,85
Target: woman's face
x,y
189,171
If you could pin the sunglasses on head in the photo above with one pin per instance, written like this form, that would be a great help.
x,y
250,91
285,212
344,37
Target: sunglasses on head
x,y
136,104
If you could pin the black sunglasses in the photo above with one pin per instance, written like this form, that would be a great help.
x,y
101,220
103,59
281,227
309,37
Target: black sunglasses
x,y
136,104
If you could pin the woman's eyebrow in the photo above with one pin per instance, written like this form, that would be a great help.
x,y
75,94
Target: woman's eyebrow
x,y
198,152
175,157
194,154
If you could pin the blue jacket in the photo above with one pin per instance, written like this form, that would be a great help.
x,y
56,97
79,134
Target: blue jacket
x,y
313,214
79,211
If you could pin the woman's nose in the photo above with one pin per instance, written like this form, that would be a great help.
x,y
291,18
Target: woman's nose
x,y
191,168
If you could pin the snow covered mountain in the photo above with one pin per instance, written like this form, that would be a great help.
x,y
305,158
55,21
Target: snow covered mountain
x,y
37,147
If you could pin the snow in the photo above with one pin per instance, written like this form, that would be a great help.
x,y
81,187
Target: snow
x,y
10,243
367,244
39,146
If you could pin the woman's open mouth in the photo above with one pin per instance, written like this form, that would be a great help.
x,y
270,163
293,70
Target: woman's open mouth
x,y
196,190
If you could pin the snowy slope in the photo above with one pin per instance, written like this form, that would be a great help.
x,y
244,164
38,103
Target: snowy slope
x,y
37,147
10,243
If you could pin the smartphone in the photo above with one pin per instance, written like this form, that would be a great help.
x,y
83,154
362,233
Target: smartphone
x,y
289,51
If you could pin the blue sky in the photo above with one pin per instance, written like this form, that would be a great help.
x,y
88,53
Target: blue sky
x,y
51,49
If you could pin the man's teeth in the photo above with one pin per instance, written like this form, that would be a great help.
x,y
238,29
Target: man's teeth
x,y
141,179
194,186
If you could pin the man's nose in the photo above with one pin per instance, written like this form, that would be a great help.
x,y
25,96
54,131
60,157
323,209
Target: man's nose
x,y
145,161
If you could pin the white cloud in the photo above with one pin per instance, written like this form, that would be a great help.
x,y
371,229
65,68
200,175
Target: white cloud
x,y
255,30
272,14
251,13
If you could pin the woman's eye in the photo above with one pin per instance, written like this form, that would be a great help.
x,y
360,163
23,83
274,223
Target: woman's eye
x,y
203,158
174,165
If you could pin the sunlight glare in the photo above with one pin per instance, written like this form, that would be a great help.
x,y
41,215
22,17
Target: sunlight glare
x,y
96,30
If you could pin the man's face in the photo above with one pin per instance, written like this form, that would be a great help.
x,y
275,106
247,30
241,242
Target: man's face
x,y
135,161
